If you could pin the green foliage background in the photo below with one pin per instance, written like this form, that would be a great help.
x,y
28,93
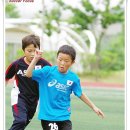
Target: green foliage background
x,y
109,56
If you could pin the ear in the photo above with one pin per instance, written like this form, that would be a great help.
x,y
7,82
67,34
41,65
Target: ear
x,y
73,62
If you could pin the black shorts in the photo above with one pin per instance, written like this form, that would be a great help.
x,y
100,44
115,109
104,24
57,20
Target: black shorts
x,y
56,125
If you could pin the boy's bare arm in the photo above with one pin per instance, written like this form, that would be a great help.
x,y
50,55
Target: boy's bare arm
x,y
30,68
38,55
86,100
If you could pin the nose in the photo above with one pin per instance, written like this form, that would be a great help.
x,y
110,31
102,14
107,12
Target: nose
x,y
62,62
32,53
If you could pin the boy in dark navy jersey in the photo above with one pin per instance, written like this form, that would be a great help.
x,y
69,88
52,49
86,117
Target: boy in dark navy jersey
x,y
25,93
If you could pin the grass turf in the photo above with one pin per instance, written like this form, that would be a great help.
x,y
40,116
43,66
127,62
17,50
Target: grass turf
x,y
111,101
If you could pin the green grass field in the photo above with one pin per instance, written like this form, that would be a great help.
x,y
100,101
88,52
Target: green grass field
x,y
111,101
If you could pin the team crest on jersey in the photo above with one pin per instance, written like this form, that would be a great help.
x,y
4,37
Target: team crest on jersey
x,y
69,82
37,67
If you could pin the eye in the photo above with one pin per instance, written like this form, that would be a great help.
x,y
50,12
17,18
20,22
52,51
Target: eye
x,y
60,59
29,50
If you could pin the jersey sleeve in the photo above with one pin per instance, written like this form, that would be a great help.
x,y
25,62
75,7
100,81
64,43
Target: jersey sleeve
x,y
40,73
77,88
10,72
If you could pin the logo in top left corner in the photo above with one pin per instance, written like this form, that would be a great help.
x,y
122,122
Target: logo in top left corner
x,y
18,1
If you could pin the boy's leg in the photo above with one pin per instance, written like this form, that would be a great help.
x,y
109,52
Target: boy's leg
x,y
31,111
20,113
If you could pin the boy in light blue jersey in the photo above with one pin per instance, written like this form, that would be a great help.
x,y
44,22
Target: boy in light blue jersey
x,y
55,87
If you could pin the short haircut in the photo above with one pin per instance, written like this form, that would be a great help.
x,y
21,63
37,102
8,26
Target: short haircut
x,y
30,39
69,50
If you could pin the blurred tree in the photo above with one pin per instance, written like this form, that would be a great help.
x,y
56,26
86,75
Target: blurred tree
x,y
50,18
112,57
89,15
11,11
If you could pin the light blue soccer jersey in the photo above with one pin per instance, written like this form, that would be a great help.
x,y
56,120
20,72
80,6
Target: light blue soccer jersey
x,y
55,89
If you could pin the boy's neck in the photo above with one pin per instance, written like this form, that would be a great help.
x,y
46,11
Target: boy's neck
x,y
26,61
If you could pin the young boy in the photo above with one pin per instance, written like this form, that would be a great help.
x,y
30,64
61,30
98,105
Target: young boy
x,y
55,87
25,93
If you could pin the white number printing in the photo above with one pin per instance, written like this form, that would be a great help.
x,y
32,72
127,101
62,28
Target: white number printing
x,y
53,126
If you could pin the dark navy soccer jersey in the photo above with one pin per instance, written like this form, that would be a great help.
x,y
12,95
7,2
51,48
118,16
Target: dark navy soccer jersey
x,y
28,88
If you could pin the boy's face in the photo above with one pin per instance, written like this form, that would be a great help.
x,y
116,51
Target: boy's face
x,y
29,52
64,62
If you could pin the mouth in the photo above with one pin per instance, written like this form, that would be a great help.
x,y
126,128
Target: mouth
x,y
31,58
61,67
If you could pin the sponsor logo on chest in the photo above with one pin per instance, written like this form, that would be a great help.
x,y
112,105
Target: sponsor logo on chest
x,y
60,86
23,72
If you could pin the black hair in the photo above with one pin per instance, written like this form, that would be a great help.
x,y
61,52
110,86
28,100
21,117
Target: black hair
x,y
31,39
66,49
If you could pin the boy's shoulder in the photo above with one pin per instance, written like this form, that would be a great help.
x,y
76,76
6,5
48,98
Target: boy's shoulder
x,y
73,74
50,69
17,61
43,62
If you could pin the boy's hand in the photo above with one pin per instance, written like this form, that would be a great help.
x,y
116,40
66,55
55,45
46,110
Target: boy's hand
x,y
98,111
38,54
